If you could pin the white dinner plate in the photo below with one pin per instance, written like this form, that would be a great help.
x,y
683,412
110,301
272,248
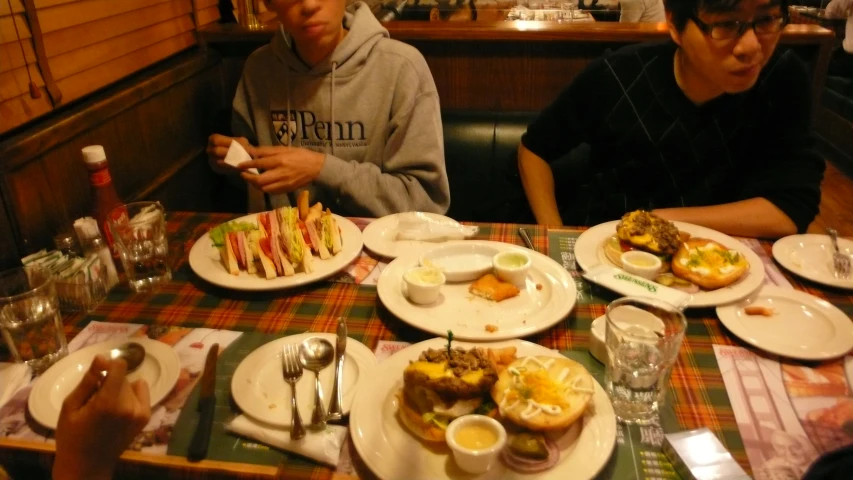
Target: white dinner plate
x,y
380,237
803,326
810,256
206,263
260,391
547,298
392,453
461,261
160,369
589,253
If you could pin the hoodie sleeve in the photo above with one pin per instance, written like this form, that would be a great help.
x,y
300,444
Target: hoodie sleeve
x,y
241,115
413,175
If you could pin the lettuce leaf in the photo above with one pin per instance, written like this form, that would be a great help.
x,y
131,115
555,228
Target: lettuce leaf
x,y
217,234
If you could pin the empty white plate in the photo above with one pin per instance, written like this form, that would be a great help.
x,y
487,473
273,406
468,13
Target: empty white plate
x,y
461,262
260,391
810,256
160,369
802,326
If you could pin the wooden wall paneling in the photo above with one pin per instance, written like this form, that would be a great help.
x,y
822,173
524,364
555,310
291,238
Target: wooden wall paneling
x,y
21,109
68,39
154,131
12,58
8,250
86,82
77,13
206,3
82,59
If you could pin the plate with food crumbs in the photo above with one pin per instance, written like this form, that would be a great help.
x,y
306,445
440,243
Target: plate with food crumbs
x,y
260,391
790,323
487,308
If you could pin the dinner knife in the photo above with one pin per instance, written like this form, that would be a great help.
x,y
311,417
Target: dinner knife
x,y
206,407
335,409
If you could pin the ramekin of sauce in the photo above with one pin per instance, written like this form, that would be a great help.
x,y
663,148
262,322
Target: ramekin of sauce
x,y
476,442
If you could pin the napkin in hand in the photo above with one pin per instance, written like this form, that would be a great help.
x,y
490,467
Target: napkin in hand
x,y
237,155
419,226
323,446
13,376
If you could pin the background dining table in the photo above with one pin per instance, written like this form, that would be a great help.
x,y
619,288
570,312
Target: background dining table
x,y
698,394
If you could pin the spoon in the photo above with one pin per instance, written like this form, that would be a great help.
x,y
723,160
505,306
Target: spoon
x,y
316,354
132,353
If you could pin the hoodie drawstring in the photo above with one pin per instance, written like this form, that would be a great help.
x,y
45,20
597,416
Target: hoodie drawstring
x,y
286,89
332,108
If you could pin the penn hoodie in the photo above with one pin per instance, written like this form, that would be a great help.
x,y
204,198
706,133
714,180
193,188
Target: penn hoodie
x,y
371,106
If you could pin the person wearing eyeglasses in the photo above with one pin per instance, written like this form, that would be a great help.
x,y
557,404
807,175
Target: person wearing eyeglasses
x,y
710,128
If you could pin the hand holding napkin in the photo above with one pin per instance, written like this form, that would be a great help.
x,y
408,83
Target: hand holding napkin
x,y
237,155
323,446
419,226
13,376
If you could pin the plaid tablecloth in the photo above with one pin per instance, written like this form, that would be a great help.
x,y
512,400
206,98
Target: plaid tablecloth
x,y
699,396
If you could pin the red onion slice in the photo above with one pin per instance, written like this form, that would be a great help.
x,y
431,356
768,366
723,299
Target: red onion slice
x,y
528,465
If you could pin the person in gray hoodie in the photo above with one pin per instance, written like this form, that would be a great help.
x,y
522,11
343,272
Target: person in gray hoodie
x,y
334,106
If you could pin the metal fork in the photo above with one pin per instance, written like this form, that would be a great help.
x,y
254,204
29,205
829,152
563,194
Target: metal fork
x,y
840,262
291,369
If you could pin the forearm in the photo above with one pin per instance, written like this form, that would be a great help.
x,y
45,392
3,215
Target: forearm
x,y
755,217
538,181
370,191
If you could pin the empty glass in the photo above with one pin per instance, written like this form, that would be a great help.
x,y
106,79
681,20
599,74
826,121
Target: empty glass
x,y
642,337
29,317
139,234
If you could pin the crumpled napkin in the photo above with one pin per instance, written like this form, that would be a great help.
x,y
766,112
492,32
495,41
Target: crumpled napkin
x,y
322,446
419,226
237,155
13,376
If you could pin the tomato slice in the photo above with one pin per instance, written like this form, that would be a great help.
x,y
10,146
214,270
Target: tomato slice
x,y
305,233
625,246
265,221
265,246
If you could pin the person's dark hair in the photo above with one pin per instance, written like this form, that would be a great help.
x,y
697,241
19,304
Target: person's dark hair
x,y
683,10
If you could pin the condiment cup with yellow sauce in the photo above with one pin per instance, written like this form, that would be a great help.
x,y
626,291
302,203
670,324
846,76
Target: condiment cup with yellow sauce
x,y
423,284
476,442
512,267
643,264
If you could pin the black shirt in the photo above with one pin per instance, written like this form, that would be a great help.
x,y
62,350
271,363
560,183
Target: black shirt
x,y
648,146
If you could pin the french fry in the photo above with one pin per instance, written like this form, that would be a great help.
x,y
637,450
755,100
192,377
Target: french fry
x,y
302,204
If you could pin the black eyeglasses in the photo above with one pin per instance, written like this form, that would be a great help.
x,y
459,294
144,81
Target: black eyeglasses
x,y
766,25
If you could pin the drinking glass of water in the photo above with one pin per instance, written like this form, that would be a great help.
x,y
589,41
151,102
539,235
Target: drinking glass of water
x,y
29,317
642,337
139,233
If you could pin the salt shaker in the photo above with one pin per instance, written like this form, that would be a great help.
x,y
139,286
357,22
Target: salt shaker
x,y
90,238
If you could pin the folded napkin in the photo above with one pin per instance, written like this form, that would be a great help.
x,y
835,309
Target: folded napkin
x,y
323,446
237,155
13,376
419,226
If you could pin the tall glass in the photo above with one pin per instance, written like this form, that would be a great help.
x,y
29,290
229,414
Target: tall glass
x,y
642,337
29,317
139,233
